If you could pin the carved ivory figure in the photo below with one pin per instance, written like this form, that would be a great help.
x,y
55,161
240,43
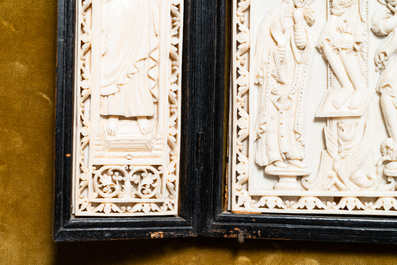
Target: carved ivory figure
x,y
129,64
342,44
283,60
384,23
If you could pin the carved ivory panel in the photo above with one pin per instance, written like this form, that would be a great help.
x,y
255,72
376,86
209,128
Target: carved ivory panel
x,y
127,107
314,126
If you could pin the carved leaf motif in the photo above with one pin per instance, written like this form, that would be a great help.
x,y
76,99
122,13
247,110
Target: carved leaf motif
x,y
173,131
310,203
243,5
242,37
117,209
85,38
136,208
175,41
106,180
84,205
85,85
86,4
242,123
270,202
350,203
107,209
127,187
146,208
242,81
243,40
149,179
155,208
171,167
242,166
83,176
174,87
170,206
99,208
172,96
243,198
135,178
171,189
386,203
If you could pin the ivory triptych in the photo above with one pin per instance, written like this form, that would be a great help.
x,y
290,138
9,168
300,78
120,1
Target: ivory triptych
x,y
314,106
127,107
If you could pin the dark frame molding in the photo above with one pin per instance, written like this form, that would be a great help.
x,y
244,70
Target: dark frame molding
x,y
69,228
204,152
216,221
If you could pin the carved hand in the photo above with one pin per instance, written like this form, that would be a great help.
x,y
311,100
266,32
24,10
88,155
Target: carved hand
x,y
298,16
278,34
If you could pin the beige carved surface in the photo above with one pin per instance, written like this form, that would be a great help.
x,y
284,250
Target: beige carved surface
x,y
127,107
310,133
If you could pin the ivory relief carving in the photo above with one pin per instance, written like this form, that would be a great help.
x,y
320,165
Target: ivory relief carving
x,y
314,109
127,107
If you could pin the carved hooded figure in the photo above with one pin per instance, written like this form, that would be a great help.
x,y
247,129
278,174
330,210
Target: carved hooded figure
x,y
283,59
130,54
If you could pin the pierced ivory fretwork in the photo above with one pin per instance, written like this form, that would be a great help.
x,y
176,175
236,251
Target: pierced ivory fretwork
x,y
300,64
127,111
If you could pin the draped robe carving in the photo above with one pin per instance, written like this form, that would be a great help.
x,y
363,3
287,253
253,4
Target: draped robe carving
x,y
129,65
282,76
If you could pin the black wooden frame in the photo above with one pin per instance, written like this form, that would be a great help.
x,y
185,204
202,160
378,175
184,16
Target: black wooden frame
x,y
69,228
219,222
204,152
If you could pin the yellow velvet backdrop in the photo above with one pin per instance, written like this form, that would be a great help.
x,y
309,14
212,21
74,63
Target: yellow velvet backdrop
x,y
27,98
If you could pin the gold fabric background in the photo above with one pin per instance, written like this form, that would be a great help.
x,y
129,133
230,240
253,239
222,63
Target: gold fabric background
x,y
27,102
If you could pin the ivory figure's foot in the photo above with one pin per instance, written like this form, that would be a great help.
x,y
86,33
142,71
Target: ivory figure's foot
x,y
144,125
297,163
356,100
341,98
112,125
280,164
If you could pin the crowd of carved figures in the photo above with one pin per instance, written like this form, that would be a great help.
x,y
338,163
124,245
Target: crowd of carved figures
x,y
285,46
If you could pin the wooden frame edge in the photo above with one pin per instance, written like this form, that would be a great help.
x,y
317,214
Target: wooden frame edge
x,y
68,228
219,222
